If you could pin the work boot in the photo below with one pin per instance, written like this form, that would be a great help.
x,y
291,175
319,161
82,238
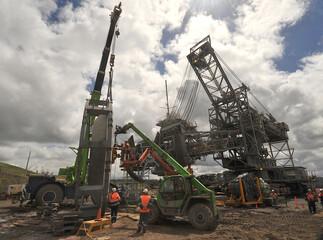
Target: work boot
x,y
144,231
138,230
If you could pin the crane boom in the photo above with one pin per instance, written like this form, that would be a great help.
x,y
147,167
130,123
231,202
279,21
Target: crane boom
x,y
71,172
106,53
165,156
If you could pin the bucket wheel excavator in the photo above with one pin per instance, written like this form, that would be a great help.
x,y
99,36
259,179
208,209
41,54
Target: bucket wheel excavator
x,y
241,138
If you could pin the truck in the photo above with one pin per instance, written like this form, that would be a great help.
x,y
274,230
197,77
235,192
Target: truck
x,y
181,194
93,161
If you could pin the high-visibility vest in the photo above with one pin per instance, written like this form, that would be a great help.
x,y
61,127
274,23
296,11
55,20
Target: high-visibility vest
x,y
274,195
114,197
145,201
310,196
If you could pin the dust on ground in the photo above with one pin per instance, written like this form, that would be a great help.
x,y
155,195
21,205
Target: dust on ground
x,y
287,222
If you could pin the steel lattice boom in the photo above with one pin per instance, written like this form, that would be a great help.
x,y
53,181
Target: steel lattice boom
x,y
237,129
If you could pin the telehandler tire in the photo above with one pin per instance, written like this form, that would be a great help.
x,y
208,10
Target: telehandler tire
x,y
50,193
154,214
214,223
201,217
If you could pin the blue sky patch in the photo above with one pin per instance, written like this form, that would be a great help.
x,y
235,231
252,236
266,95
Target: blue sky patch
x,y
53,18
90,86
160,65
302,39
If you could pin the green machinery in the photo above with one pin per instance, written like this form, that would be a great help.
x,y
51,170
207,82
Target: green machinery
x,y
181,194
90,176
71,172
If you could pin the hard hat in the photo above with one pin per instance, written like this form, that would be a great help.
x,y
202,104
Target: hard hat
x,y
114,189
145,190
273,190
310,190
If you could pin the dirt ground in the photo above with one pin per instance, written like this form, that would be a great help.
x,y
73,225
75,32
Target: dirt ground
x,y
287,222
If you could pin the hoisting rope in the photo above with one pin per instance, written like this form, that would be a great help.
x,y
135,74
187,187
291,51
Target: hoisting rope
x,y
112,58
234,76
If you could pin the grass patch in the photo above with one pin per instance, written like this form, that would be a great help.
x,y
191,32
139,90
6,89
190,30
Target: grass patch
x,y
10,174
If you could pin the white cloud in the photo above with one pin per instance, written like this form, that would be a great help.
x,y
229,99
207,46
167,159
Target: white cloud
x,y
46,66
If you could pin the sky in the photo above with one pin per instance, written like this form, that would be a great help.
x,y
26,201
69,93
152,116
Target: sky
x,y
51,50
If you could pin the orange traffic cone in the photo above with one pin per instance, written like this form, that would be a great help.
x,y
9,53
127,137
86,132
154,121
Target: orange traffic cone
x,y
98,217
296,202
256,206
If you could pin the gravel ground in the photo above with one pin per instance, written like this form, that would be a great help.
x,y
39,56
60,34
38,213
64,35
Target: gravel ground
x,y
287,222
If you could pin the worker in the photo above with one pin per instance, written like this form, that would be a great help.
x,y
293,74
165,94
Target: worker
x,y
274,197
122,147
127,150
145,204
133,153
321,196
114,201
311,199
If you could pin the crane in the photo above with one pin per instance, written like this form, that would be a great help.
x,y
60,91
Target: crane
x,y
90,175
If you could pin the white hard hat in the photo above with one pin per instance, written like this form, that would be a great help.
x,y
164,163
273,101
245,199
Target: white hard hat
x,y
310,190
114,189
145,190
273,190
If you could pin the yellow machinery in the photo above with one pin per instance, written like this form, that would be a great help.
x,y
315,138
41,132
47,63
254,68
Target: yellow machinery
x,y
241,195
94,226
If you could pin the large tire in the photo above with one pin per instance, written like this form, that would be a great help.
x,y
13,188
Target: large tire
x,y
154,214
201,217
214,223
50,193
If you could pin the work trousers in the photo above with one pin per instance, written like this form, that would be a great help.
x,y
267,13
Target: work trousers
x,y
114,213
311,206
275,202
143,220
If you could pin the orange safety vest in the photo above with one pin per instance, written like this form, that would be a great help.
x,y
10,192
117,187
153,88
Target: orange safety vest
x,y
310,196
145,201
274,195
114,197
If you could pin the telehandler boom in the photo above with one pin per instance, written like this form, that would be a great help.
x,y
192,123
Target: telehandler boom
x,y
179,195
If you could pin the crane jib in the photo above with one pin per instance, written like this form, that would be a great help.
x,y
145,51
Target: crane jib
x,y
106,51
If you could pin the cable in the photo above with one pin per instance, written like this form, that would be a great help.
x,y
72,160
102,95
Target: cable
x,y
175,106
237,78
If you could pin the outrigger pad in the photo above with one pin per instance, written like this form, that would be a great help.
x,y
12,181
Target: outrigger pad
x,y
92,227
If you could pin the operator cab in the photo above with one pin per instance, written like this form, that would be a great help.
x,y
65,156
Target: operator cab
x,y
173,191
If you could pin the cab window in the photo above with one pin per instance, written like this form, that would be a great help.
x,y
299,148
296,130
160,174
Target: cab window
x,y
173,189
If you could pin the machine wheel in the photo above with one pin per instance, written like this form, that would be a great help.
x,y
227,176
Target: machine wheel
x,y
50,193
201,217
154,214
215,222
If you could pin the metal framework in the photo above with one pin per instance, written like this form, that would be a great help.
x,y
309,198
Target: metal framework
x,y
98,154
240,139
237,128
